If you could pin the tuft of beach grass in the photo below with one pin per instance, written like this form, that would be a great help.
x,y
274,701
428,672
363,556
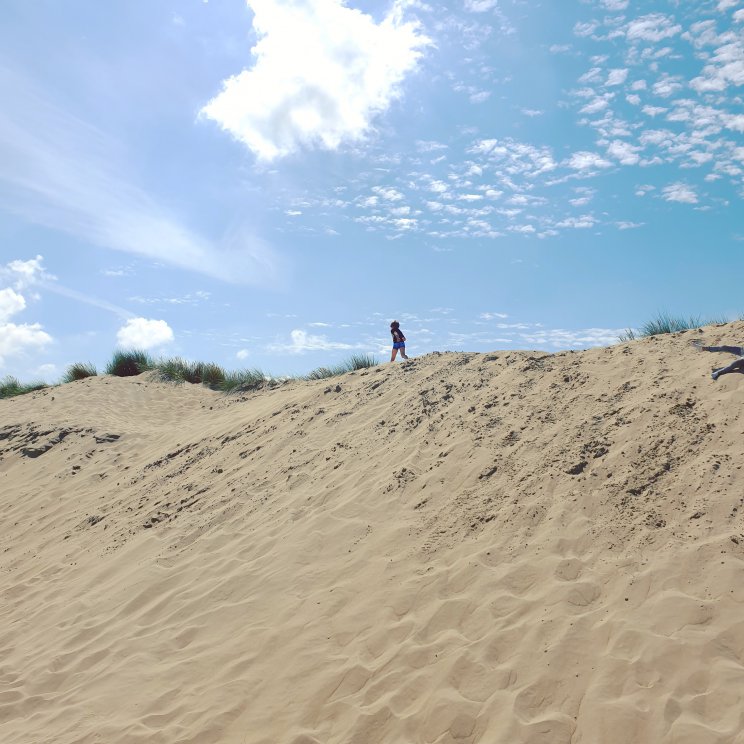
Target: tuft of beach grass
x,y
664,322
129,363
352,364
11,386
79,371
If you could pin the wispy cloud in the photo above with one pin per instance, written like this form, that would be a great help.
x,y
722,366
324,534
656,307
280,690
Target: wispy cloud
x,y
300,342
61,172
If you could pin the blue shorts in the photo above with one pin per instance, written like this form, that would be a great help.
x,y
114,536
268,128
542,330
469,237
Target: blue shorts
x,y
399,345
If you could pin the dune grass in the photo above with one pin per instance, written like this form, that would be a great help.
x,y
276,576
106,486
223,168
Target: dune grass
x,y
129,363
132,362
663,322
245,380
197,373
353,363
79,371
11,386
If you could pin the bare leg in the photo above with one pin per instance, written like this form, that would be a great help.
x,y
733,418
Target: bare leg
x,y
403,353
730,349
393,355
733,367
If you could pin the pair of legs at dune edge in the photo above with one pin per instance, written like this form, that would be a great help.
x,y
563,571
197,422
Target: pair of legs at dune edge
x,y
398,348
735,366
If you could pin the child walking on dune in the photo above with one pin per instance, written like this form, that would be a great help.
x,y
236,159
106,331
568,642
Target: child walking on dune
x,y
399,341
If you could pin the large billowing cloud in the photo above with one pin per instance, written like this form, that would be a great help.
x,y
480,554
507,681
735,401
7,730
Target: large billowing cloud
x,y
322,72
143,333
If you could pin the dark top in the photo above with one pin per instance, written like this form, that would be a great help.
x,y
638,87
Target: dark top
x,y
398,336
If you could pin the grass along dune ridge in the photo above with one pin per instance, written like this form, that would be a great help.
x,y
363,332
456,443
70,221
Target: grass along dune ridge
x,y
505,547
132,362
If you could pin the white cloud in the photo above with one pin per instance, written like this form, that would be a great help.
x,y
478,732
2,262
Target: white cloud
x,y
491,316
680,192
480,96
564,339
301,341
143,333
654,110
24,274
10,303
725,67
516,157
322,72
579,223
243,354
480,6
599,103
652,27
438,187
615,4
724,5
667,86
429,146
388,193
16,340
585,29
617,76
624,152
582,161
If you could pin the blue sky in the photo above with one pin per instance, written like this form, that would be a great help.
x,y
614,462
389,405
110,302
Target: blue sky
x,y
269,183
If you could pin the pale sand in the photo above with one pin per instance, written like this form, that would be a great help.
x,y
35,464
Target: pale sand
x,y
500,548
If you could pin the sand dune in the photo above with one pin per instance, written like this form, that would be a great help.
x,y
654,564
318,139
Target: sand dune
x,y
505,547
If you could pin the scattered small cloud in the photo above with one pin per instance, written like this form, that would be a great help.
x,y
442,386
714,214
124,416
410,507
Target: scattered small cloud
x,y
491,316
480,6
616,77
680,192
584,161
652,27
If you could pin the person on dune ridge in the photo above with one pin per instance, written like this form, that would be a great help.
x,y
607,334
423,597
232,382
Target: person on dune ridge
x,y
399,341
735,366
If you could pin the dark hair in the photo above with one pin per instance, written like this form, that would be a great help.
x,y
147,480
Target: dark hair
x,y
394,324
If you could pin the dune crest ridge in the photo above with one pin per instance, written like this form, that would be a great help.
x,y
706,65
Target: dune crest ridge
x,y
504,547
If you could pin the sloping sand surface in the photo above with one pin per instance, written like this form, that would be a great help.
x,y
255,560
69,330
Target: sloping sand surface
x,y
503,548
